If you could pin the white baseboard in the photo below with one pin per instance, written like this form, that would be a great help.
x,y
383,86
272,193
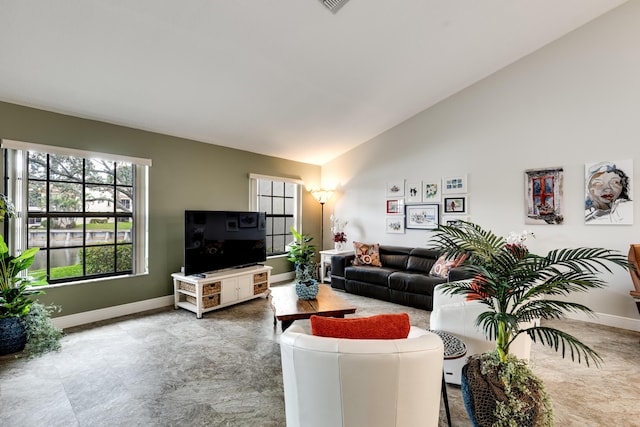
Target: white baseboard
x,y
132,308
111,312
152,304
283,277
608,320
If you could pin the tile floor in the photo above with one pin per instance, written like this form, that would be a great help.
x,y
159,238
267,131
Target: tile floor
x,y
167,368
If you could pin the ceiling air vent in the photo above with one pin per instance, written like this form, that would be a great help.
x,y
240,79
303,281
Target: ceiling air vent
x,y
334,5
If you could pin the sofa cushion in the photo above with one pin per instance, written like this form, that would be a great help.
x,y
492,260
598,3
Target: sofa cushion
x,y
415,283
443,265
394,256
367,254
379,327
422,260
374,275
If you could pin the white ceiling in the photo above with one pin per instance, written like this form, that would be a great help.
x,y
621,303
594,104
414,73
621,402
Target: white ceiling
x,y
286,78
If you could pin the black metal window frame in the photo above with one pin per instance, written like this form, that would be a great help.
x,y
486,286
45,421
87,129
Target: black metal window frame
x,y
48,215
270,216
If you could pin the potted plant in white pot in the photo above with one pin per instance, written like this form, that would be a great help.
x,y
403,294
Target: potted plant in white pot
x,y
302,253
518,288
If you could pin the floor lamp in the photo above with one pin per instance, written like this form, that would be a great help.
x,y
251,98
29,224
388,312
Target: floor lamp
x,y
322,196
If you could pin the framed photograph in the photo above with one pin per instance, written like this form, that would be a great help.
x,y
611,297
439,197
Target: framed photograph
x,y
413,192
395,224
395,188
454,184
457,204
425,216
395,206
430,192
452,220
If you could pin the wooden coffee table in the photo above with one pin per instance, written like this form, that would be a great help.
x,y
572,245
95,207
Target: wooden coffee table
x,y
287,307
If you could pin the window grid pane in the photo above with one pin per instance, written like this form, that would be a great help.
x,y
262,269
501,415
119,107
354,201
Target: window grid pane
x,y
80,215
277,199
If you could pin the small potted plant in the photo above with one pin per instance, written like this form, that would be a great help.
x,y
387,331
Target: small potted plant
x,y
337,229
302,253
518,288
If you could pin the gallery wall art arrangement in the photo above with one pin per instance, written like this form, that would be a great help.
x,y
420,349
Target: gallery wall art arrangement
x,y
423,205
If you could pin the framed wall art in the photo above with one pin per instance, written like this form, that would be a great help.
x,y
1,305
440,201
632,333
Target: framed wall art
x,y
544,196
395,188
395,224
455,204
395,206
452,220
454,184
430,192
413,192
424,216
609,192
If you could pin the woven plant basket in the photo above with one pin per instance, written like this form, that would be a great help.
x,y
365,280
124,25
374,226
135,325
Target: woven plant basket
x,y
13,336
482,392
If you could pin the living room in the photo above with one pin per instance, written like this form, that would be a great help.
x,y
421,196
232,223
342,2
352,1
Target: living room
x,y
565,105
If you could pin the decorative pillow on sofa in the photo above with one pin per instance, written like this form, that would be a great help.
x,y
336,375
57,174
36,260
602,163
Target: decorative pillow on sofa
x,y
443,265
379,327
367,254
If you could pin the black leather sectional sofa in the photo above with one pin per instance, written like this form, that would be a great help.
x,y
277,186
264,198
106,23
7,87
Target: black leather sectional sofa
x,y
403,278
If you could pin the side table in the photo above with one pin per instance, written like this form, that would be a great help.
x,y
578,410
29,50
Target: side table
x,y
325,259
454,348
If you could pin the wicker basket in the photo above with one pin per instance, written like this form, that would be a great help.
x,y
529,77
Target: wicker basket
x,y
208,301
260,288
208,289
211,288
259,277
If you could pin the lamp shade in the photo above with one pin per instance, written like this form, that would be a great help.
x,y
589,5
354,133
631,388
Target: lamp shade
x,y
322,195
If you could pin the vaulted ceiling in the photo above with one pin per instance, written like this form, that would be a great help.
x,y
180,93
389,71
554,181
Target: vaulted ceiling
x,y
287,78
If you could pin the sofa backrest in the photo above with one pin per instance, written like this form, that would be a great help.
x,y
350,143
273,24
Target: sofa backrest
x,y
395,256
422,259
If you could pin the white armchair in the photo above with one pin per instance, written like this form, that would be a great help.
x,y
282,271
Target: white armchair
x,y
351,383
456,315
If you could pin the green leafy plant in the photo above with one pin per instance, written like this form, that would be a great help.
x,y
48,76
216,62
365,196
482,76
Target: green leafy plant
x,y
42,335
7,208
15,298
302,254
519,287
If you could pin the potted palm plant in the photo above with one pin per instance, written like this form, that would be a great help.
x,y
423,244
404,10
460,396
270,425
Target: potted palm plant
x,y
518,288
302,253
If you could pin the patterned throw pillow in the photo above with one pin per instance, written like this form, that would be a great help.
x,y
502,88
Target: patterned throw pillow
x,y
378,327
443,265
367,254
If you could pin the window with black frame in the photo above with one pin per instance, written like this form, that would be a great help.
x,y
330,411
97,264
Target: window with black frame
x,y
81,211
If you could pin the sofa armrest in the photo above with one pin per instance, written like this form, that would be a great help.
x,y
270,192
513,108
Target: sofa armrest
x,y
339,262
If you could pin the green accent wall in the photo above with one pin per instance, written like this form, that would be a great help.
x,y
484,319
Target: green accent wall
x,y
186,174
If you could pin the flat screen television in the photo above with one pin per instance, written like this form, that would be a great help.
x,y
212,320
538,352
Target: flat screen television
x,y
215,240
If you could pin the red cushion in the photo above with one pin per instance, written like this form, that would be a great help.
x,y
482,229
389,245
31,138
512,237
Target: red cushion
x,y
379,327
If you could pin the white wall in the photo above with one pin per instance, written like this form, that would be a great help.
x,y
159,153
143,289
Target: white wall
x,y
573,102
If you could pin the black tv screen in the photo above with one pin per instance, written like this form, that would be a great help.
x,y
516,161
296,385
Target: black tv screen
x,y
215,240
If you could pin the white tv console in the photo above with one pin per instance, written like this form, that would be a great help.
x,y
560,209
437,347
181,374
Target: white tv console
x,y
220,289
